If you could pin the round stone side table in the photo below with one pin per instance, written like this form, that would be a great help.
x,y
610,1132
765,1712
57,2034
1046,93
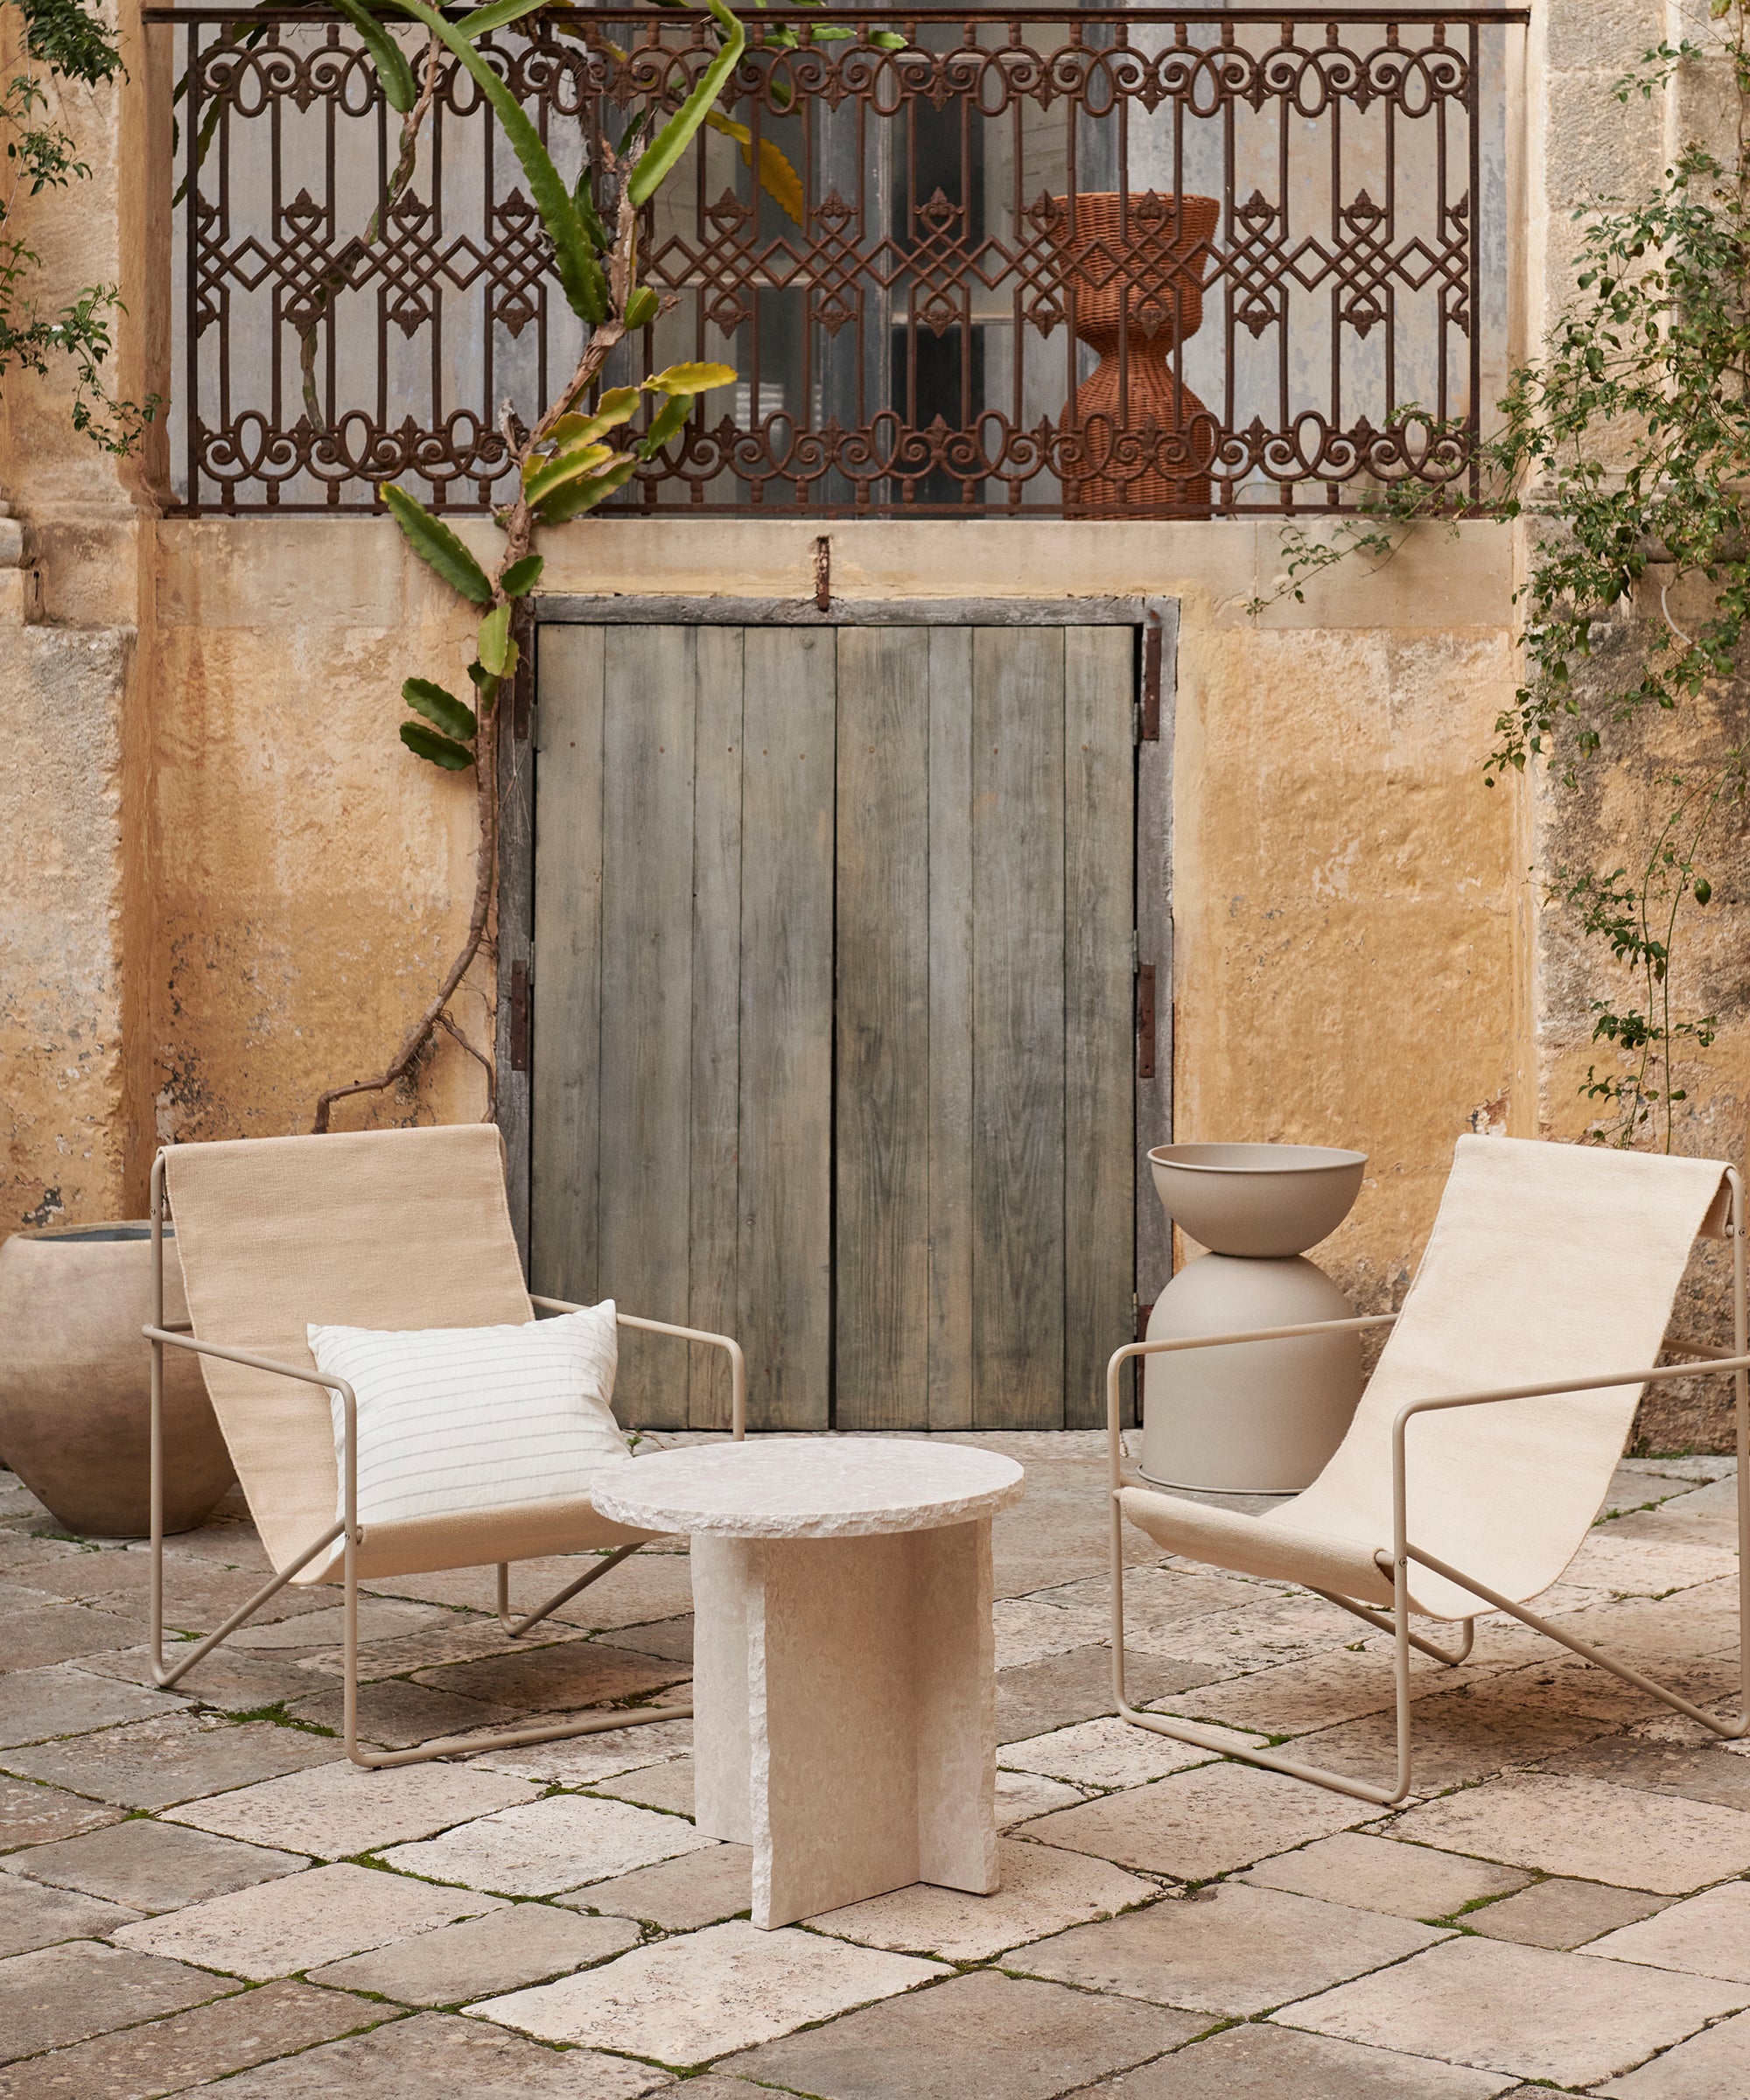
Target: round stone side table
x,y
843,1686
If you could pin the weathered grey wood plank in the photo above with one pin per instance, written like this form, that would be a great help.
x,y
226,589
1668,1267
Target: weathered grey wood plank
x,y
515,937
1099,1062
950,1030
1154,945
881,1341
565,1160
644,1210
785,1256
1018,1028
716,1103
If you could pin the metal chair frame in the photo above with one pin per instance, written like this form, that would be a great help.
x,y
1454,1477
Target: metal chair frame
x,y
347,1529
1734,1362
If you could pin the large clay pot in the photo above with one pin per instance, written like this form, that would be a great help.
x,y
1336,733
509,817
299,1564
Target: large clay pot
x,y
1133,271
1259,1417
75,1384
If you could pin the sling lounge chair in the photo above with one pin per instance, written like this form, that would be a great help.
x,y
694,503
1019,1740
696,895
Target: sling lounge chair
x,y
1550,1267
396,1229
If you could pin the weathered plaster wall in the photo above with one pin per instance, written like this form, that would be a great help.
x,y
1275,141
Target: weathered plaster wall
x,y
228,886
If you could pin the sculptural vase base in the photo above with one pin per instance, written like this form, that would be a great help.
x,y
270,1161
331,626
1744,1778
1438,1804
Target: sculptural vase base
x,y
1257,1418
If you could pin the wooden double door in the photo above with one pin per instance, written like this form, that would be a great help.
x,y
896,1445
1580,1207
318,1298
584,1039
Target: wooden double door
x,y
833,1041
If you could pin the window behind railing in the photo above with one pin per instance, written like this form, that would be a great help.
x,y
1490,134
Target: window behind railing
x,y
1088,264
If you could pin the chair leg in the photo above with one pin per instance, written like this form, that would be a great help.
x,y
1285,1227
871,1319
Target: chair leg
x,y
1451,1656
514,1633
1188,1731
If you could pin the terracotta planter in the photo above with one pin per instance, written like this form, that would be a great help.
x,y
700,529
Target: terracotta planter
x,y
1133,274
75,1381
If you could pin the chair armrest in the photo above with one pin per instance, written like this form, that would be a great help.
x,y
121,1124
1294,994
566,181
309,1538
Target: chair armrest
x,y
349,1399
1116,1362
737,1362
1656,1375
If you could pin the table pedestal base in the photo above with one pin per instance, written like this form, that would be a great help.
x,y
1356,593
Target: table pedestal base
x,y
844,1712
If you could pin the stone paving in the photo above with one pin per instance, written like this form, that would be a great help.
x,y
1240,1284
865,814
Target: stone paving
x,y
196,1888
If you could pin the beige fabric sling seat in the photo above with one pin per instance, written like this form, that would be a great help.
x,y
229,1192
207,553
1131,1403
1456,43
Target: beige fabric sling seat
x,y
391,1229
1485,1442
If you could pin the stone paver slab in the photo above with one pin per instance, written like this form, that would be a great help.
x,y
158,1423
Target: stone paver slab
x,y
1645,1556
672,1639
154,1866
435,2056
31,1813
1318,1692
151,1764
1078,1686
1028,1630
699,1888
682,2001
1208,1821
31,1916
1043,1890
281,1927
1587,1829
380,1619
1231,1950
1567,2017
341,1809
505,1949
668,1785
1656,1767
1260,2062
190,2048
586,1759
36,1704
1377,1873
1564,1914
1106,1752
228,1679
63,1994
1276,1627
995,2037
1715,2065
198,1594
545,1846
1023,1797
398,1715
1709,1934
55,1633
567,1677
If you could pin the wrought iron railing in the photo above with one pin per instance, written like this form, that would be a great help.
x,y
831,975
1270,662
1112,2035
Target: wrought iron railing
x,y
1088,263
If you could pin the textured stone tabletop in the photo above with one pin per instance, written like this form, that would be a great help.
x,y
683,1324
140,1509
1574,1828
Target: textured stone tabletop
x,y
810,1487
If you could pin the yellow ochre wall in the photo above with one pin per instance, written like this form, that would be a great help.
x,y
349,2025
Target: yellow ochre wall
x,y
225,886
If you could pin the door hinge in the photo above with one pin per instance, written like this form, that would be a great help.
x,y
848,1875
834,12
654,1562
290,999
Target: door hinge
x,y
519,1017
1150,730
1145,1021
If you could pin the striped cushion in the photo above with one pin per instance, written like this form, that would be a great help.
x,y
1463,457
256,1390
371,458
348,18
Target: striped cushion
x,y
459,1420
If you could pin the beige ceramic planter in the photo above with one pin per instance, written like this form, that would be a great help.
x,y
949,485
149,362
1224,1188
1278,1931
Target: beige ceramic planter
x,y
1257,1418
75,1378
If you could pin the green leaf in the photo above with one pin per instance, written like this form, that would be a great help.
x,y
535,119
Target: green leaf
x,y
494,642
435,544
542,476
691,379
580,496
400,91
438,705
427,744
641,307
580,274
668,420
885,39
521,577
494,16
676,135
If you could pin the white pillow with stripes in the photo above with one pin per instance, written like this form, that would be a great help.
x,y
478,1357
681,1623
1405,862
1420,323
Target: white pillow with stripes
x,y
455,1420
